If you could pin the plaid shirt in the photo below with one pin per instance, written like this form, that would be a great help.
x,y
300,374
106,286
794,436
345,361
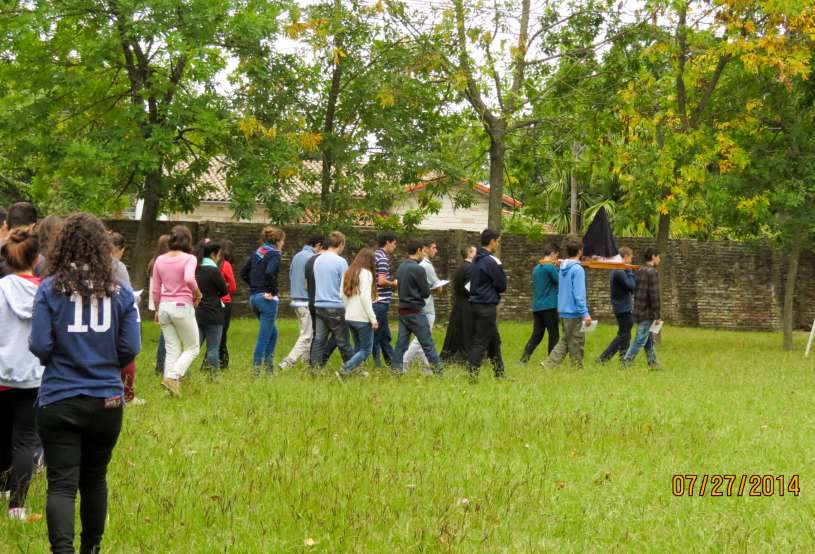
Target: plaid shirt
x,y
646,295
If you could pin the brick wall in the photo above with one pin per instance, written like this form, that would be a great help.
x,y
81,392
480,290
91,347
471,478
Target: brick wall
x,y
708,284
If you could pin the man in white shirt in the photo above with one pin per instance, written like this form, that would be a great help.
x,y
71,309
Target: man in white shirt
x,y
415,351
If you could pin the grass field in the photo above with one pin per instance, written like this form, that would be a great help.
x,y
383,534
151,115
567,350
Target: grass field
x,y
555,460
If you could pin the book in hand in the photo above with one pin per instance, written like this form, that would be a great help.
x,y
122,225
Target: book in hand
x,y
440,284
467,286
656,327
590,327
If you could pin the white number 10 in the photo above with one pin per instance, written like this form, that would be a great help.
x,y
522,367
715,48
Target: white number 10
x,y
78,327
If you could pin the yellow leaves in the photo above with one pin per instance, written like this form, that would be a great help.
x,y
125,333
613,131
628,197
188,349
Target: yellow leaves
x,y
385,97
295,29
753,105
338,54
252,128
310,142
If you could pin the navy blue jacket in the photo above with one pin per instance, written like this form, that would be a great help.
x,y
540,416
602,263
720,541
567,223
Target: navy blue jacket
x,y
488,280
622,289
83,354
261,270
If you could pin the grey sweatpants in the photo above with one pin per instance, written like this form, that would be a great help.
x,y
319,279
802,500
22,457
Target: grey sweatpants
x,y
572,341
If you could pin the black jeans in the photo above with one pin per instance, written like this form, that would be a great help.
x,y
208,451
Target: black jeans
x,y
330,344
621,342
223,350
17,418
545,321
330,322
78,435
486,339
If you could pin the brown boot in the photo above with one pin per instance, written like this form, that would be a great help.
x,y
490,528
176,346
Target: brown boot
x,y
172,385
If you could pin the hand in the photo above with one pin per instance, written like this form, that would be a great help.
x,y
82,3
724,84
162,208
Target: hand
x,y
375,325
658,322
196,297
155,317
587,320
268,296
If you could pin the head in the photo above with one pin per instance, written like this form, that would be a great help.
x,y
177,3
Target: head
x,y
468,253
273,235
21,214
180,239
162,247
651,257
212,250
47,230
316,242
573,246
552,251
415,249
335,241
490,239
21,250
363,260
430,249
626,254
80,258
387,242
227,250
118,242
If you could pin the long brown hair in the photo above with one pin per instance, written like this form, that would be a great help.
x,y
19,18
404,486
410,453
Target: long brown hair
x,y
364,260
79,260
162,247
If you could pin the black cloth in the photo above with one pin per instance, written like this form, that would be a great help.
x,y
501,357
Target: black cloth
x,y
486,339
413,287
17,418
458,339
623,283
210,310
223,350
78,435
311,286
599,239
622,341
545,321
261,274
487,278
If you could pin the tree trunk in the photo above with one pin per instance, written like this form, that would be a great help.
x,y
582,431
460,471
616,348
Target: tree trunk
x,y
789,290
573,203
145,235
498,148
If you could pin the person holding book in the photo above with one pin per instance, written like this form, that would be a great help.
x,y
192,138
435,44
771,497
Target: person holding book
x,y
415,351
646,311
571,305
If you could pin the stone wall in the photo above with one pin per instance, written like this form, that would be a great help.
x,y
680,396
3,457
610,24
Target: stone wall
x,y
708,284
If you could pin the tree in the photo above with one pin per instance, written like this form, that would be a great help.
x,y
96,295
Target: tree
x,y
118,100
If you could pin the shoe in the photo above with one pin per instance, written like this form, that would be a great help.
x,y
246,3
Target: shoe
x,y
601,361
173,386
364,374
340,376
546,364
137,401
625,364
522,363
655,367
17,513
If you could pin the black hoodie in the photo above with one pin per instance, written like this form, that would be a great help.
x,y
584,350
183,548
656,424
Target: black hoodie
x,y
413,287
488,279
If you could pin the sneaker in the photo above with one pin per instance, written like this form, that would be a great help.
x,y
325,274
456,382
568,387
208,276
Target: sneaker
x,y
173,386
655,367
364,374
546,364
137,401
601,361
522,362
17,513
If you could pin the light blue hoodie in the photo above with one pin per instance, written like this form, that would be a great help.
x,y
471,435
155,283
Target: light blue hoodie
x,y
19,368
571,294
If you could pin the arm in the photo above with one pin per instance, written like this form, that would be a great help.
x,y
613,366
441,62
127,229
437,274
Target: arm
x,y
365,290
155,282
229,277
128,343
654,292
189,273
272,270
421,282
626,280
220,284
432,278
499,278
578,277
554,274
246,270
41,341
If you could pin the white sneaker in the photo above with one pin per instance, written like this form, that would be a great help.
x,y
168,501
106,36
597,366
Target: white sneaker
x,y
17,513
137,401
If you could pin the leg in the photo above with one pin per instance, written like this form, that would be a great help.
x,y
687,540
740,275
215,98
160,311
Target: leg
x,y
99,437
382,338
538,329
364,338
172,343
402,341
57,425
24,443
560,349
271,315
187,328
335,320
301,348
420,326
626,322
494,345
551,322
260,305
6,431
650,351
576,342
639,342
318,344
481,338
161,354
213,335
223,349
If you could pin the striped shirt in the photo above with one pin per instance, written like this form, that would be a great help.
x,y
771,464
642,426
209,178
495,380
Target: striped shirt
x,y
383,267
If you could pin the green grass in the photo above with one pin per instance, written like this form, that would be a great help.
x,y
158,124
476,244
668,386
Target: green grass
x,y
555,460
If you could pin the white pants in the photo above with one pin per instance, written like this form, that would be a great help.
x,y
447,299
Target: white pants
x,y
301,348
414,351
180,330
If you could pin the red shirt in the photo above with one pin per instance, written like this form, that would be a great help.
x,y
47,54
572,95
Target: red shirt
x,y
231,284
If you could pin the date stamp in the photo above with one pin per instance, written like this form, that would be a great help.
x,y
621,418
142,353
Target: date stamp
x,y
690,484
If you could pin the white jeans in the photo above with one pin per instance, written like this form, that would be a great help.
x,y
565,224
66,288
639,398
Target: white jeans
x,y
415,351
301,348
180,331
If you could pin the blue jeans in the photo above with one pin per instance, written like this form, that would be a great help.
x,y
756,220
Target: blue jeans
x,y
382,336
267,334
330,323
161,354
645,338
211,334
417,325
363,340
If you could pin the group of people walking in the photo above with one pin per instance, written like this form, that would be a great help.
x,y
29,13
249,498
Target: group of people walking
x,y
72,330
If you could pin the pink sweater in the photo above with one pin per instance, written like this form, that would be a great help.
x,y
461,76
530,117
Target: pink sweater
x,y
174,278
